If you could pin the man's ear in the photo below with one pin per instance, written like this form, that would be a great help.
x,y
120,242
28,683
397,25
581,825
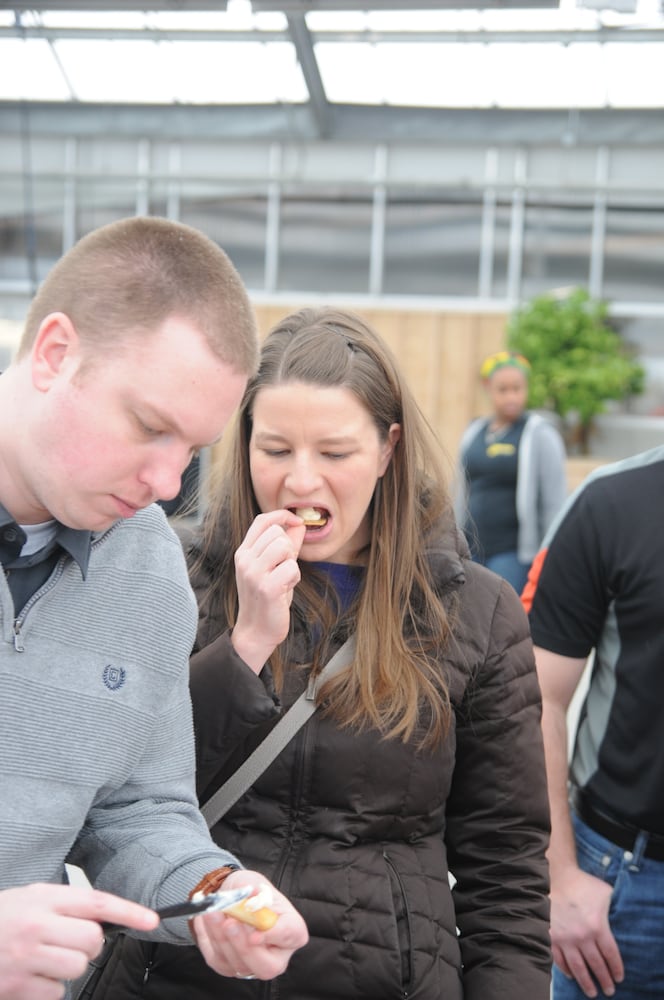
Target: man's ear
x,y
55,349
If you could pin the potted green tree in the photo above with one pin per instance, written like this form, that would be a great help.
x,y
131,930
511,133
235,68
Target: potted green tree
x,y
578,360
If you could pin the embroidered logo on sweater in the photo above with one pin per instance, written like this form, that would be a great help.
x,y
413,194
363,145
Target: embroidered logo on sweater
x,y
114,677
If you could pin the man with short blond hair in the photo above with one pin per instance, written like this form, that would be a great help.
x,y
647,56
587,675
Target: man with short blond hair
x,y
136,352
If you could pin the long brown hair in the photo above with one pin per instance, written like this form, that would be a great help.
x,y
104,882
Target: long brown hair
x,y
400,621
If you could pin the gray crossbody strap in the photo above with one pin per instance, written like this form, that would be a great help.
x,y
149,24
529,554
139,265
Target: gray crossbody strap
x,y
276,739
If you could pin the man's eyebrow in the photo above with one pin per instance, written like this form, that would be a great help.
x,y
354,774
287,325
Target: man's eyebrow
x,y
170,424
160,417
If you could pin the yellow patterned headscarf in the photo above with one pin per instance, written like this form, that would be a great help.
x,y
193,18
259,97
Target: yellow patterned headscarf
x,y
504,359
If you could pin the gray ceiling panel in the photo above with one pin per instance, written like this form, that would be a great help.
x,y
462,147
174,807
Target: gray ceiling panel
x,y
346,123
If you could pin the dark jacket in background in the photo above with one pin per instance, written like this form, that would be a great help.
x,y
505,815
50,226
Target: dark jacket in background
x,y
360,833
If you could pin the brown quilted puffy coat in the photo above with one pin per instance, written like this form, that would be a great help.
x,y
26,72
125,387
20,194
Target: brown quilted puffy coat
x,y
361,833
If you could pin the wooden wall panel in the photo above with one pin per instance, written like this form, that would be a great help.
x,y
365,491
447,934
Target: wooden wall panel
x,y
457,380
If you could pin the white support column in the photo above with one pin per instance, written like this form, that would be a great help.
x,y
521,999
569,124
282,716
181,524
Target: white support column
x,y
174,172
273,220
515,261
596,276
69,198
378,221
143,178
488,233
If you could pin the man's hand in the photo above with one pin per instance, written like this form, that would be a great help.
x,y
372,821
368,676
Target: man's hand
x,y
49,933
580,934
237,950
581,938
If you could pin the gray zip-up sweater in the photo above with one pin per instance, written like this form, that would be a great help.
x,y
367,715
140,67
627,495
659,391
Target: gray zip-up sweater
x,y
96,742
541,486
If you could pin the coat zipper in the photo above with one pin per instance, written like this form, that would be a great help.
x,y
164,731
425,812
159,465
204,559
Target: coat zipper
x,y
300,763
397,876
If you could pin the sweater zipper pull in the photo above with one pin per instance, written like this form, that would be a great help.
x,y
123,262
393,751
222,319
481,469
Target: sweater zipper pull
x,y
18,645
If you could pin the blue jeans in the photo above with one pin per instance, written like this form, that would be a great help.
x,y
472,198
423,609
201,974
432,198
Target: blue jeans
x,y
636,915
507,565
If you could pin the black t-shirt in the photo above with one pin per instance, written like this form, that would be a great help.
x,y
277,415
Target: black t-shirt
x,y
601,584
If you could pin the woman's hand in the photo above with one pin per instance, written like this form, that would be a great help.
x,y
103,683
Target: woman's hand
x,y
266,572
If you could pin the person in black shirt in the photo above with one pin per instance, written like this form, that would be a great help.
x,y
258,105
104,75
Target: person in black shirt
x,y
597,585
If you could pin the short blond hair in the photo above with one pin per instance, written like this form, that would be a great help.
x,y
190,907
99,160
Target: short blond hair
x,y
128,277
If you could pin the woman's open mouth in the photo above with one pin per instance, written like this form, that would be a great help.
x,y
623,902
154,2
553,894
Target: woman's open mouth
x,y
313,517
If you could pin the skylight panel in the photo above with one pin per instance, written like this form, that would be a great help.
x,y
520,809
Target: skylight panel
x,y
129,73
103,20
360,64
634,74
472,75
343,20
350,73
183,72
428,75
29,72
546,75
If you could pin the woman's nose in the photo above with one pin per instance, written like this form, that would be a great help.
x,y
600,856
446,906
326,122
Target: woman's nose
x,y
303,476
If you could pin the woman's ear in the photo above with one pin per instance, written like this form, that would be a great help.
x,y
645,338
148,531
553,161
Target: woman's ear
x,y
56,346
393,437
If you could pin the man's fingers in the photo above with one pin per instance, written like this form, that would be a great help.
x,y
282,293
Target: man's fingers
x,y
561,962
50,932
104,907
75,933
39,989
218,938
611,954
589,967
60,963
578,970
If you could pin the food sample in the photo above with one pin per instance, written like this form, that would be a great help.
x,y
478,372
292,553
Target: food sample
x,y
255,910
312,518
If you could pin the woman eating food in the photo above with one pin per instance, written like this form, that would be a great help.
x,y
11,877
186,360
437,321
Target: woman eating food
x,y
407,820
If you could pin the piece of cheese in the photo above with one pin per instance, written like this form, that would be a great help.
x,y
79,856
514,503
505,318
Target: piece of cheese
x,y
253,911
310,516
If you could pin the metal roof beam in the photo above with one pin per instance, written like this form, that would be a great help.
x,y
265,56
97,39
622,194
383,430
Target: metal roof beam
x,y
307,58
258,6
496,127
304,7
570,36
